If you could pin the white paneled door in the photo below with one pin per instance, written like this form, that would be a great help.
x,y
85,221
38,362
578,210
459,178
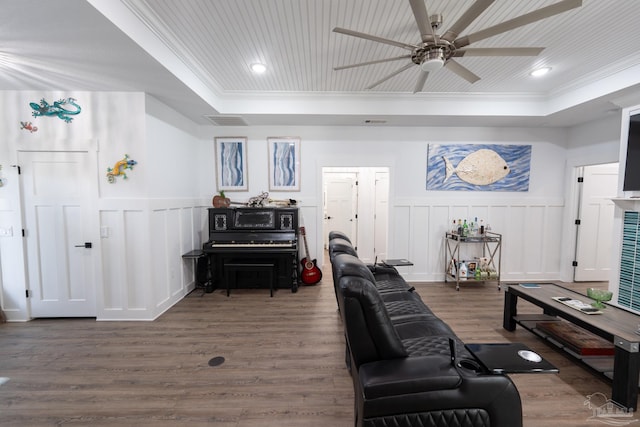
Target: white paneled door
x,y
593,242
381,219
341,201
56,190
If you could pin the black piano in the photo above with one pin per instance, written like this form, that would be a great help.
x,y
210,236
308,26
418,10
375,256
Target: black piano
x,y
253,247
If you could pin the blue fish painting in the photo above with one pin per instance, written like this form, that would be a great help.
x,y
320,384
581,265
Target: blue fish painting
x,y
478,167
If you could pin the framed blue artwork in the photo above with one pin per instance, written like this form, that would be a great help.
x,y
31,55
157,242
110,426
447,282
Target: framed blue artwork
x,y
284,164
478,167
231,163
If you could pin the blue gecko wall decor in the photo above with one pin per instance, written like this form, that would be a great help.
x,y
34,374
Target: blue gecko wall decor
x,y
57,109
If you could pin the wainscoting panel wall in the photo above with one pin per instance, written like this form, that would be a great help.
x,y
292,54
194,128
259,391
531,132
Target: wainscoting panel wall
x,y
164,232
531,235
310,216
422,218
136,243
171,236
124,255
143,272
400,232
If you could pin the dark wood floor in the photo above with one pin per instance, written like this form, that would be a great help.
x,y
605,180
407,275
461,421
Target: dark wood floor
x,y
284,363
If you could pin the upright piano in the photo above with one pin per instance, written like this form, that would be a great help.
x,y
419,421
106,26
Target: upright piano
x,y
251,236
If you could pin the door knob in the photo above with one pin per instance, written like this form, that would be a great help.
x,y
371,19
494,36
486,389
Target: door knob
x,y
87,245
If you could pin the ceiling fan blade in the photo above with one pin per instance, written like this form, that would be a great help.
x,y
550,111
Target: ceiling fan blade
x,y
395,73
527,18
422,79
499,51
467,18
422,19
377,61
373,38
463,72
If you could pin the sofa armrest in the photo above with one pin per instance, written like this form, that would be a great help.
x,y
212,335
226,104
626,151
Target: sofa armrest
x,y
382,269
394,377
422,385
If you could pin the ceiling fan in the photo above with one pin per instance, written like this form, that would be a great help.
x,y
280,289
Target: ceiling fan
x,y
437,51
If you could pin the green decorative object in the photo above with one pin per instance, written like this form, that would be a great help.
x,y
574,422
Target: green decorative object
x,y
59,108
599,295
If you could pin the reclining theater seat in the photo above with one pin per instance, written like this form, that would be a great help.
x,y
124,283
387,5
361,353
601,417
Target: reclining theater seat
x,y
404,385
387,278
399,298
399,355
338,235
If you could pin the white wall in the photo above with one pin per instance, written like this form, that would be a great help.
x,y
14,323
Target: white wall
x,y
148,235
591,143
531,222
160,211
150,219
106,121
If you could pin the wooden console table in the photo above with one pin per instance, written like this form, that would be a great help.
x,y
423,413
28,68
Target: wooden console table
x,y
616,325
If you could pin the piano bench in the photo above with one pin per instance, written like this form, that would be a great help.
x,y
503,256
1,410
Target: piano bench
x,y
231,270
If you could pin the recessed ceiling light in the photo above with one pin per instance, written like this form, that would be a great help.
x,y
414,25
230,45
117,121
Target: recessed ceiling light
x,y
258,68
540,71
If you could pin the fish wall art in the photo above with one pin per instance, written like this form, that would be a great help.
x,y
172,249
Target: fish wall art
x,y
478,167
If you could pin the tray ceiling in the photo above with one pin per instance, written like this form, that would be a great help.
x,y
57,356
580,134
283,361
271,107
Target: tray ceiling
x,y
195,55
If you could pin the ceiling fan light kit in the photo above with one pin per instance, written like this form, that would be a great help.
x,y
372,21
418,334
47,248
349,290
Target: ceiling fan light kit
x,y
432,64
435,51
432,60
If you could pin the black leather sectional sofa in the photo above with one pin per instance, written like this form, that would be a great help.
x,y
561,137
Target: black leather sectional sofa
x,y
408,367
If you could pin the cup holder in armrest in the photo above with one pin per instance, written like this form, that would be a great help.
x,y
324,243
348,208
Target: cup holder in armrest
x,y
470,365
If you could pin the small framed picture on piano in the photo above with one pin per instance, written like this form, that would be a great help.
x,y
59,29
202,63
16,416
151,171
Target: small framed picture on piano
x,y
231,163
284,163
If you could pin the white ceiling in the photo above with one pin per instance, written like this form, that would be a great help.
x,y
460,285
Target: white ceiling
x,y
194,55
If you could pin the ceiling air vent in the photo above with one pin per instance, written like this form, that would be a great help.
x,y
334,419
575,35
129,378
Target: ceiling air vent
x,y
226,120
375,121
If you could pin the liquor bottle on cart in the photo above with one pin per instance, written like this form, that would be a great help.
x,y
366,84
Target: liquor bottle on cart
x,y
463,271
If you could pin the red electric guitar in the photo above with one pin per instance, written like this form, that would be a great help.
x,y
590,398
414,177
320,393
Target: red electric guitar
x,y
311,274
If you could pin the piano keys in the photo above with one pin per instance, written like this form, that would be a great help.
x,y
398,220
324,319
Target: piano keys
x,y
253,237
